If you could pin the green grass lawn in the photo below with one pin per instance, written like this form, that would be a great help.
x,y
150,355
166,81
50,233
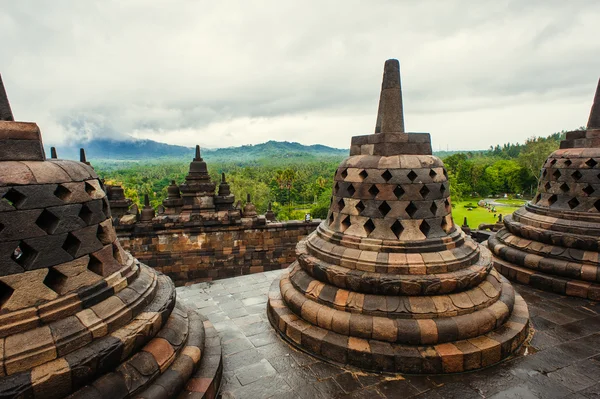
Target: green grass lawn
x,y
479,214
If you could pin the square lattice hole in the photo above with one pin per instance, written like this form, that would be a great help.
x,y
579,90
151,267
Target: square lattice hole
x,y
552,199
384,208
432,173
86,214
597,205
397,228
62,192
576,175
89,189
55,280
6,292
360,207
14,197
564,187
344,173
47,221
387,175
24,255
568,162
556,174
547,186
71,245
589,190
363,174
373,190
591,163
369,226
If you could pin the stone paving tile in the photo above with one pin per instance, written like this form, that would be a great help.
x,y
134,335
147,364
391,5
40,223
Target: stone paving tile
x,y
561,361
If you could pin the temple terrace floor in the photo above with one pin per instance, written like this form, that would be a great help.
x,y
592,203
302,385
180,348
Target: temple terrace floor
x,y
561,361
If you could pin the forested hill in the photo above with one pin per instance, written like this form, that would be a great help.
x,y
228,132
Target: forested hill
x,y
103,149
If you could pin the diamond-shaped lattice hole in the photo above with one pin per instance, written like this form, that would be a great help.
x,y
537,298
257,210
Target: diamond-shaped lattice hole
x,y
547,186
351,190
556,174
411,209
564,187
424,191
432,173
86,214
341,204
442,188
433,208
576,175
444,225
363,174
387,175
537,198
373,190
62,192
573,203
369,226
568,162
398,192
6,292
425,228
71,245
411,175
591,163
384,208
95,265
336,188
445,173
47,221
447,204
552,200
14,197
544,173
330,218
346,223
360,207
89,189
589,190
24,255
344,173
597,205
55,280
397,228
1,227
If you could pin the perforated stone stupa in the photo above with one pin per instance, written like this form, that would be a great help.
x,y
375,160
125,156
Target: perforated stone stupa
x,y
553,242
79,316
389,282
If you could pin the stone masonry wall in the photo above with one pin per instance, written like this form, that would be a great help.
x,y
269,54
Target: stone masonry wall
x,y
189,255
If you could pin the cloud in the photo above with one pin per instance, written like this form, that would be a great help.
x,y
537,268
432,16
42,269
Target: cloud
x,y
236,72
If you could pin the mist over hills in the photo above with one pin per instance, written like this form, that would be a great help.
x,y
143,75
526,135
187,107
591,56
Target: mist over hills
x,y
144,150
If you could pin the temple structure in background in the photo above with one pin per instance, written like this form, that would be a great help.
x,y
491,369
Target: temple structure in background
x,y
199,234
388,282
79,316
553,242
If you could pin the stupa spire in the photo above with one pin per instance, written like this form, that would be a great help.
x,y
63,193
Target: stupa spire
x,y
197,157
390,116
5,111
53,154
594,120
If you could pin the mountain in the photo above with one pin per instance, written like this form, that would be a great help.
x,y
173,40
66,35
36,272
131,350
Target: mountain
x,y
107,150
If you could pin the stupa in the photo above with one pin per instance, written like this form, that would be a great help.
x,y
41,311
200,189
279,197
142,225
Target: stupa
x,y
388,282
553,242
79,316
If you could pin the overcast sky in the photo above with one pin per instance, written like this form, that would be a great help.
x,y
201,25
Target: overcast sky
x,y
227,73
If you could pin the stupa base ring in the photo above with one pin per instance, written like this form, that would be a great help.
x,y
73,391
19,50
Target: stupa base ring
x,y
378,356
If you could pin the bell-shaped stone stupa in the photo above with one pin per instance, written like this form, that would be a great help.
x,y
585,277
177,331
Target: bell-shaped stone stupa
x,y
553,242
79,316
388,281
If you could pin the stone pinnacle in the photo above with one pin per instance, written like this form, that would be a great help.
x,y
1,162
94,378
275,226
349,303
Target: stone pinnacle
x,y
390,116
248,198
223,177
5,111
82,157
594,121
146,200
53,153
197,157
